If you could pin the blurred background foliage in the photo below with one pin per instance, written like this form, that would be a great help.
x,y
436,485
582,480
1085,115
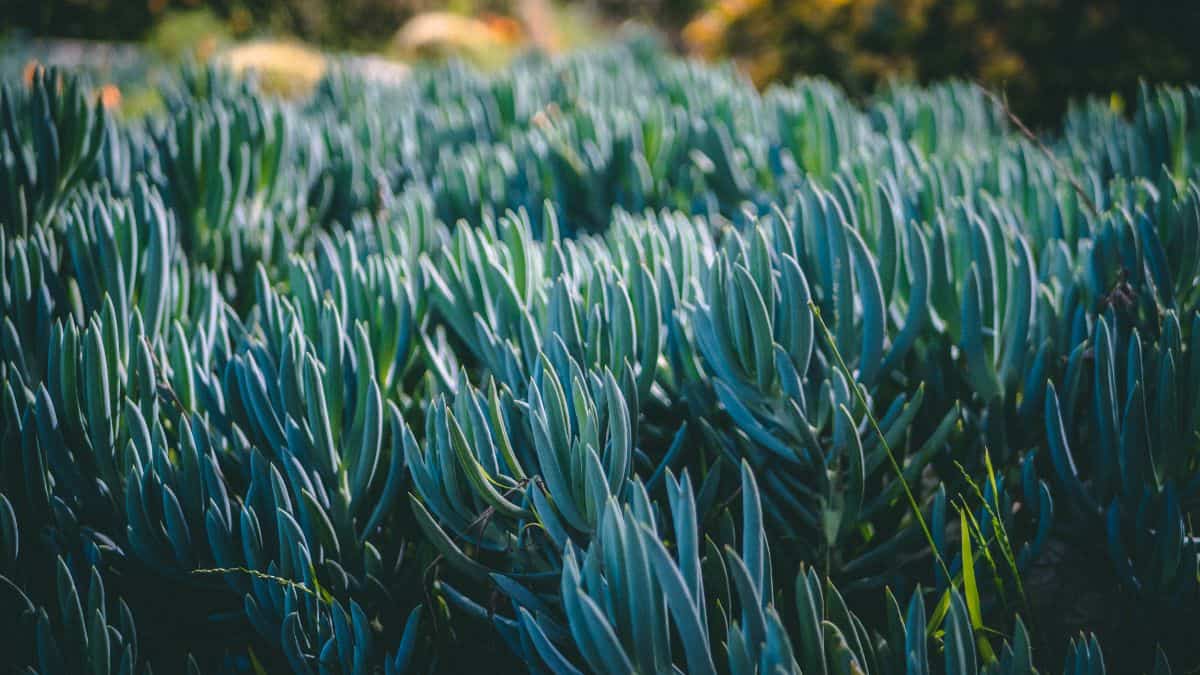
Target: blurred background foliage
x,y
1041,53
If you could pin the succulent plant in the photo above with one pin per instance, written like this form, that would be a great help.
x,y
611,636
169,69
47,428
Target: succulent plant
x,y
582,363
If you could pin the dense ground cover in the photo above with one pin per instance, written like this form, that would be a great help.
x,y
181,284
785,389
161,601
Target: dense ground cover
x,y
603,363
